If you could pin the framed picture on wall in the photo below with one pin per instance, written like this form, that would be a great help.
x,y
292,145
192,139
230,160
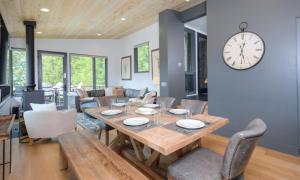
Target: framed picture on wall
x,y
126,68
155,66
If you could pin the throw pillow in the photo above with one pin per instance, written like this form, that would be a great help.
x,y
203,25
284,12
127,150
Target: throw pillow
x,y
43,107
117,91
82,93
148,99
108,91
143,92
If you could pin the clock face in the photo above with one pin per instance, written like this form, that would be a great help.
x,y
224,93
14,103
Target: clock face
x,y
243,50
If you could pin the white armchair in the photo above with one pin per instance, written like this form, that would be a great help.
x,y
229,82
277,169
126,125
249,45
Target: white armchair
x,y
46,124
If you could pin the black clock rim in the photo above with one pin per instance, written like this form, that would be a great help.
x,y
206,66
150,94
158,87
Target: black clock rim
x,y
255,63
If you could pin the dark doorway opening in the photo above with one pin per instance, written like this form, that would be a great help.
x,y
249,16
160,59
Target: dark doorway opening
x,y
202,66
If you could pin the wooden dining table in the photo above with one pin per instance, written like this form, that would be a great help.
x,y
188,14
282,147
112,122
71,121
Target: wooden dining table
x,y
164,138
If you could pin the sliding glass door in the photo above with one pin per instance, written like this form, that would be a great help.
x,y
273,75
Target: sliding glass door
x,y
88,72
52,74
18,70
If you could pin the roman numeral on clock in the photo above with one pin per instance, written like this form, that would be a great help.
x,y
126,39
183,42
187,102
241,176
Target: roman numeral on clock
x,y
229,58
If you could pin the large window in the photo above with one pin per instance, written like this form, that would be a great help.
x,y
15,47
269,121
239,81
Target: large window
x,y
89,72
141,58
18,70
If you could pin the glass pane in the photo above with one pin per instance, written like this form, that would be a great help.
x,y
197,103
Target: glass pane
x,y
19,70
187,51
7,68
143,58
81,72
53,78
100,72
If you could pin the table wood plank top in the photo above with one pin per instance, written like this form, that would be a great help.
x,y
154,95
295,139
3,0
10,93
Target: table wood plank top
x,y
6,122
90,159
160,138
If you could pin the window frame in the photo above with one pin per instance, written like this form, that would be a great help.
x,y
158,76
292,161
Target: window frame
x,y
135,57
94,57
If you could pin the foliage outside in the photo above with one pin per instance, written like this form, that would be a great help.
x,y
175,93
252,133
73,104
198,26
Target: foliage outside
x,y
81,70
143,58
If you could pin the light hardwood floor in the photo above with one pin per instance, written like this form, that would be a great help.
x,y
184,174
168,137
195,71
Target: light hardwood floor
x,y
40,161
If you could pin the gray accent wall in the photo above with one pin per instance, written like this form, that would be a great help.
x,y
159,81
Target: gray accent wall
x,y
298,74
171,45
268,90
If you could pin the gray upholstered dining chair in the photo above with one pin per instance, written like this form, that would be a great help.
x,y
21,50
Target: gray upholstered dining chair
x,y
195,106
168,101
104,101
203,164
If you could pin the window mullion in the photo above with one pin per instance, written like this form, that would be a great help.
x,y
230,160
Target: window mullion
x,y
94,72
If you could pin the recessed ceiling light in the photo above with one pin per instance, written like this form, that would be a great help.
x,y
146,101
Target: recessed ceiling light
x,y
123,19
187,0
99,34
39,32
44,9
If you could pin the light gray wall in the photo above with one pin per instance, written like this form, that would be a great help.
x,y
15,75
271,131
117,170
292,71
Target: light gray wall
x,y
267,91
126,44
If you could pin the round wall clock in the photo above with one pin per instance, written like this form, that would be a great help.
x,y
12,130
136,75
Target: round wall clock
x,y
244,49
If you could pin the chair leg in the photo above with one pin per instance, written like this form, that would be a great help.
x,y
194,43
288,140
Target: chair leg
x,y
106,137
99,134
30,141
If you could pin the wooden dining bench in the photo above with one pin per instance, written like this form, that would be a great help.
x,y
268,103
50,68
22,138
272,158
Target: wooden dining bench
x,y
86,157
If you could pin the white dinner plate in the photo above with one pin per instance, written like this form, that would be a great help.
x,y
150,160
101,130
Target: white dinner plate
x,y
136,121
178,111
145,111
151,105
119,104
190,124
111,112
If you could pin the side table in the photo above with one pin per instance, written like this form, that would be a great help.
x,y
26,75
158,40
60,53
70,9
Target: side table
x,y
6,122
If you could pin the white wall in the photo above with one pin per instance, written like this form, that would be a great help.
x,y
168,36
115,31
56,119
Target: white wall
x,y
150,34
113,49
109,48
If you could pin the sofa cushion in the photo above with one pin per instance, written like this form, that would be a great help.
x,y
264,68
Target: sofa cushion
x,y
43,107
132,93
96,93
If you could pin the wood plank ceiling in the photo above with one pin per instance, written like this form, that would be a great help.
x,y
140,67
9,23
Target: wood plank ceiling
x,y
84,19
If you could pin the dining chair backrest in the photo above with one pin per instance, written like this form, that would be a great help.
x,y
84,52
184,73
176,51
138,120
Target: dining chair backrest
x,y
240,149
105,101
195,106
168,101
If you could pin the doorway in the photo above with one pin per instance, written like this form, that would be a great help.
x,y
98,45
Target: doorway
x,y
52,77
202,66
195,58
